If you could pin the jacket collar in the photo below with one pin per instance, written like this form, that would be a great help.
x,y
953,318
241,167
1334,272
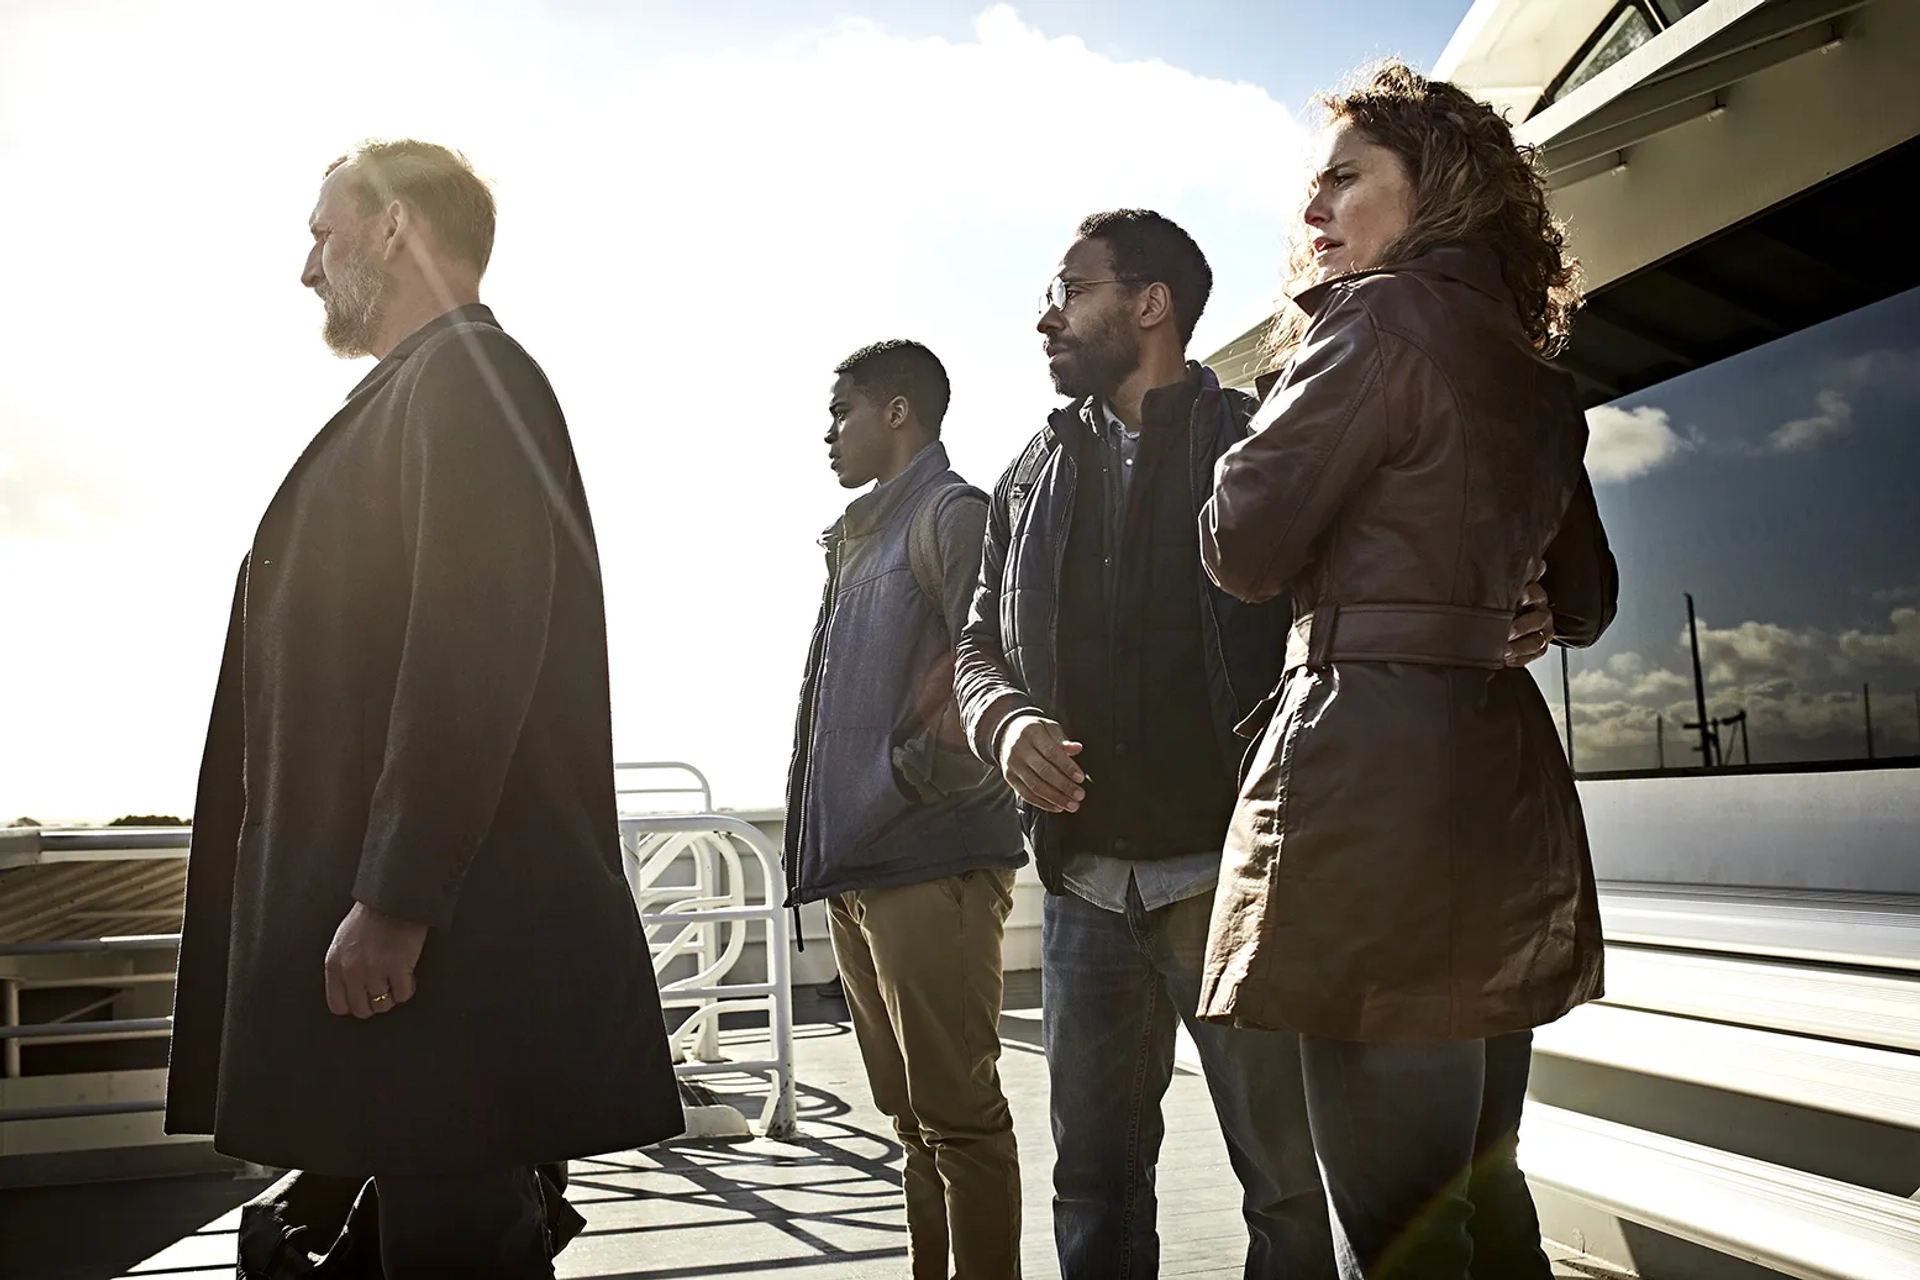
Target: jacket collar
x,y
1196,388
1473,265
475,313
879,504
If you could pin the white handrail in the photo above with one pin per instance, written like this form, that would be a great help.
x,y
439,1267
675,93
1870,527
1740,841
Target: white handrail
x,y
695,912
623,771
687,919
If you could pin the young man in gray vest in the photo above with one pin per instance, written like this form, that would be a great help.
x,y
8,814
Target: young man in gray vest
x,y
891,818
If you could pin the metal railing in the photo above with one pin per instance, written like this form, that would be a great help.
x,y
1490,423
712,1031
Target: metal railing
x,y
705,917
35,847
629,775
706,921
698,907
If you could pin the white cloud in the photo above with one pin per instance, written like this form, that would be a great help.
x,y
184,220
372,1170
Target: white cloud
x,y
1627,676
1888,368
687,244
1783,723
1871,373
1834,417
1800,688
1900,645
1756,650
1625,443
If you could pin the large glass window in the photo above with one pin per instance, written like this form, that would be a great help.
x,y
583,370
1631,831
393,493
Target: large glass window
x,y
1780,489
1626,29
1671,11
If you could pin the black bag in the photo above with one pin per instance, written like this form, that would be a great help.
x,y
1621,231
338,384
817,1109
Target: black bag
x,y
314,1226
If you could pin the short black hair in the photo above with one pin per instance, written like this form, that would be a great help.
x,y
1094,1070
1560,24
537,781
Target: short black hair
x,y
901,367
1151,248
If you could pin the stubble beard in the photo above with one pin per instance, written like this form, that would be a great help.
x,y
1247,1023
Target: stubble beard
x,y
355,301
1097,364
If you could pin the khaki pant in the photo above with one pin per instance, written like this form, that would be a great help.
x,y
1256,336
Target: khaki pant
x,y
921,968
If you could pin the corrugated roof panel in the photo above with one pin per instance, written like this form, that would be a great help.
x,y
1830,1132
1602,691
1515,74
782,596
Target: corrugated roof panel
x,y
75,900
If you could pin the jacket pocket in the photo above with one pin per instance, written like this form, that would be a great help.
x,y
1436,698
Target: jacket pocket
x,y
856,793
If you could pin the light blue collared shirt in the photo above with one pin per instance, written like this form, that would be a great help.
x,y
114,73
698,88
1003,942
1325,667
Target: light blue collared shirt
x,y
1102,881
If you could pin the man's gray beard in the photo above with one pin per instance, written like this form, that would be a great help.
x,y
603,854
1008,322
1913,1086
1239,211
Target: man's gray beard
x,y
355,304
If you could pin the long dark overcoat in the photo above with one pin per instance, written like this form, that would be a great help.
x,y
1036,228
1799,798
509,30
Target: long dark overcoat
x,y
412,712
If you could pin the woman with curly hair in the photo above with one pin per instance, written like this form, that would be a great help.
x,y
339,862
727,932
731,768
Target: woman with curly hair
x,y
1407,881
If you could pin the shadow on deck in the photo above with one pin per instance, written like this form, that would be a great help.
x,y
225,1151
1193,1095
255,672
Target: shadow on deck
x,y
825,1205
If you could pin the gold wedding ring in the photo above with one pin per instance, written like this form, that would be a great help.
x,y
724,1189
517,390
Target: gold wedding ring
x,y
384,995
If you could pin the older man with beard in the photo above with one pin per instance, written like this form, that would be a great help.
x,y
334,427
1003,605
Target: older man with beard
x,y
409,951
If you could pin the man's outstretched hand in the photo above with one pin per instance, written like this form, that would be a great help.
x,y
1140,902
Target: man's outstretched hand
x,y
371,961
1532,629
1037,760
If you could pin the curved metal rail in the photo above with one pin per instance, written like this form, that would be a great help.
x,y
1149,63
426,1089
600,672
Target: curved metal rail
x,y
629,775
690,887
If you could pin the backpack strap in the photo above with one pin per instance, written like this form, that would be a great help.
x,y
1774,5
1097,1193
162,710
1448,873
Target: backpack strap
x,y
923,540
1026,473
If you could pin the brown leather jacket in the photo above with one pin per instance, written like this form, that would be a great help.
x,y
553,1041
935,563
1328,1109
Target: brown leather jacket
x,y
1408,860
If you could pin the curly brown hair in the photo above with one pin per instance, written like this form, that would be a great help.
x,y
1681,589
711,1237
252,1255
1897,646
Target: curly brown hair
x,y
1472,183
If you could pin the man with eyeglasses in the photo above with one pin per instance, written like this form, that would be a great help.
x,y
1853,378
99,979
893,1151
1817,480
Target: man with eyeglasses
x,y
1105,674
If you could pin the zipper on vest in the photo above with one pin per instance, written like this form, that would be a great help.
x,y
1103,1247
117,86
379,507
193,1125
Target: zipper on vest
x,y
813,706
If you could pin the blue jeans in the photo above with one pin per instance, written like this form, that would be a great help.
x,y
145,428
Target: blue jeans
x,y
1419,1146
1114,985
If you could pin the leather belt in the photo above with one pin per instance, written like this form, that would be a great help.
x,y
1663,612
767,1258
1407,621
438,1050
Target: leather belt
x,y
1435,634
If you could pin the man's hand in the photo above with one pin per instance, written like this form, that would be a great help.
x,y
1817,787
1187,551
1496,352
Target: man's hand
x,y
1036,759
370,964
1532,628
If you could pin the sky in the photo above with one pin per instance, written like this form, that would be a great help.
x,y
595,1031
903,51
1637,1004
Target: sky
x,y
703,207
1779,488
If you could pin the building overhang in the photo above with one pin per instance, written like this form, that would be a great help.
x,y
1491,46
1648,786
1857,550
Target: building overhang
x,y
1744,174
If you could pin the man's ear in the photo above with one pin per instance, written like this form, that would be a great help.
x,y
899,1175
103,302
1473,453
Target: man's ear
x,y
1155,305
898,411
396,229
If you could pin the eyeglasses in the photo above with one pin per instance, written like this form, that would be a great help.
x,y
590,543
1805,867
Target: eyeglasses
x,y
1060,292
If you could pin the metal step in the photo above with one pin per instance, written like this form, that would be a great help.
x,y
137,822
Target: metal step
x,y
1793,1222
1881,1085
1878,931
1836,1004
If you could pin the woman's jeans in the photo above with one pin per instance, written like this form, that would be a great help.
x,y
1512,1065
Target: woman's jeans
x,y
1418,1144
